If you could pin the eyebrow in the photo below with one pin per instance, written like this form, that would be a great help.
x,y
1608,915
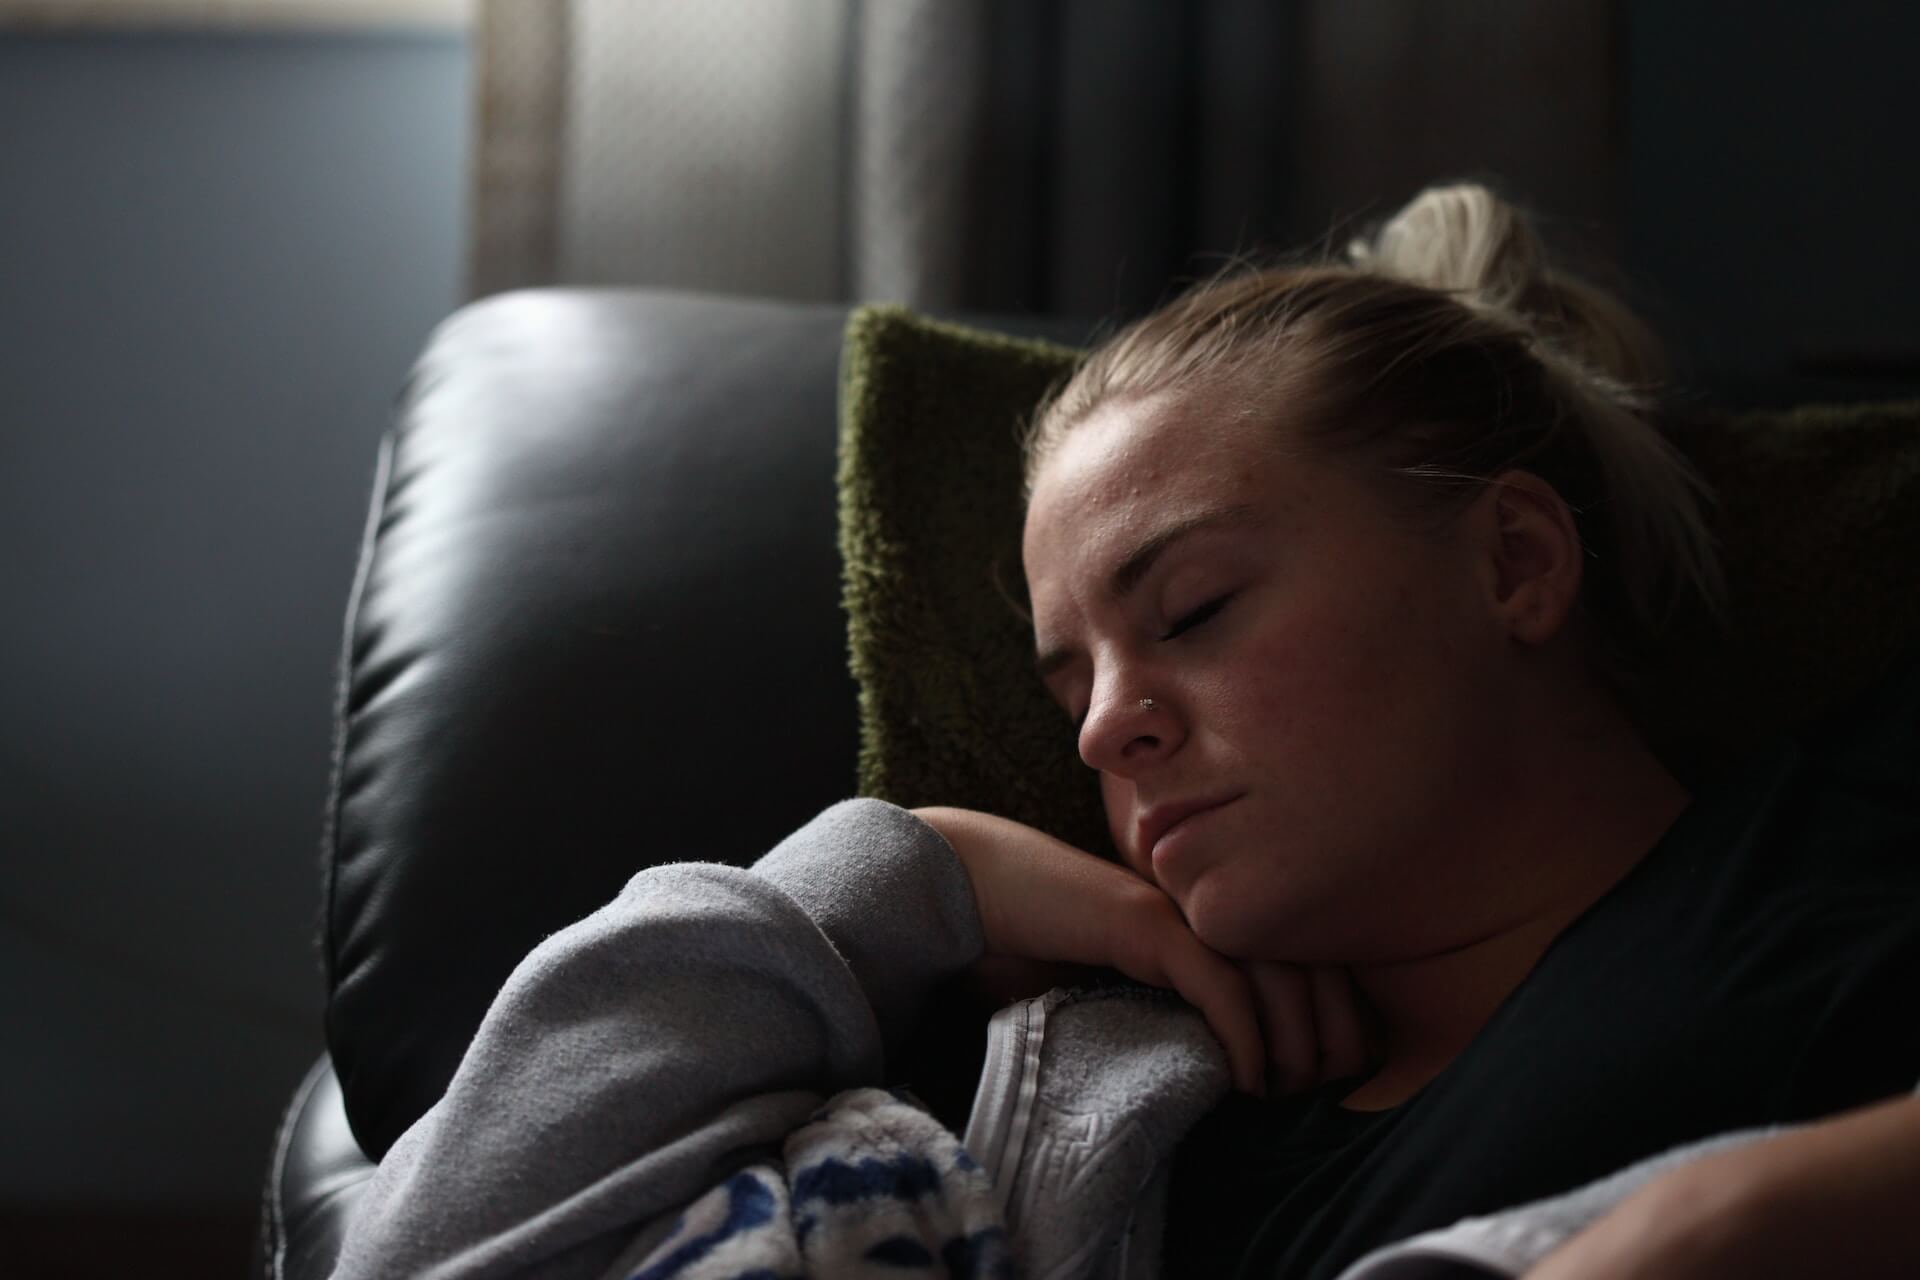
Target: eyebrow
x,y
1140,561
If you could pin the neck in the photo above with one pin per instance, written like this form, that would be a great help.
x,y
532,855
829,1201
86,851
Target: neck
x,y
1598,805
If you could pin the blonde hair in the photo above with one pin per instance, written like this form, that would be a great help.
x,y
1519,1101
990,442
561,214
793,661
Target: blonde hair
x,y
1444,351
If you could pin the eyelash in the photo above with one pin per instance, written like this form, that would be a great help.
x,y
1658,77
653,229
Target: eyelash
x,y
1181,625
1198,616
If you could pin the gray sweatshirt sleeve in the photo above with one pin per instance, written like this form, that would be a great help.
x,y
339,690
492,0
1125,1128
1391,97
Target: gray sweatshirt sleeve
x,y
637,1058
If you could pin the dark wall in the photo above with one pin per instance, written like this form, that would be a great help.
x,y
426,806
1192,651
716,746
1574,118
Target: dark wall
x,y
1746,166
218,256
1773,198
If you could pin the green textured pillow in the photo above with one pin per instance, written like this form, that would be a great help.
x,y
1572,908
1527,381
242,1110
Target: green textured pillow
x,y
1819,520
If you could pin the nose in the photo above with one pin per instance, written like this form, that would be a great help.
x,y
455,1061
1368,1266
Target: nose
x,y
1127,731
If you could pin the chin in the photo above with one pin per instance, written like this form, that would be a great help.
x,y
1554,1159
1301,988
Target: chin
x,y
1220,925
1245,926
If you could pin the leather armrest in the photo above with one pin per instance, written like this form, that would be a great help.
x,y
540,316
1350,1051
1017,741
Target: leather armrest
x,y
317,1173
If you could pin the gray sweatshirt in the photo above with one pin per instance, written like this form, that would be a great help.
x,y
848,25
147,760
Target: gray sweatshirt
x,y
676,1038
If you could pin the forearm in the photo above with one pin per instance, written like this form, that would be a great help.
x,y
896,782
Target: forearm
x,y
1842,1197
640,1056
1837,1197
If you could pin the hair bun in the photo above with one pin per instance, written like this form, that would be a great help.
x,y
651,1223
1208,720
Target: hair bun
x,y
1463,239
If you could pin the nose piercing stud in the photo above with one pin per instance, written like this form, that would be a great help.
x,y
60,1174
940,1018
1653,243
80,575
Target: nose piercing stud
x,y
1146,704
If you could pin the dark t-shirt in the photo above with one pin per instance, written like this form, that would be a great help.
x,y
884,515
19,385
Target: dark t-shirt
x,y
1760,965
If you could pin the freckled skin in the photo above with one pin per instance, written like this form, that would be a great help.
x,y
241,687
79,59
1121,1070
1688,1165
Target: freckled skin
x,y
1353,691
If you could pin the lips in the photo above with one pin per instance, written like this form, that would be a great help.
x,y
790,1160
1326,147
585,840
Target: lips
x,y
1162,818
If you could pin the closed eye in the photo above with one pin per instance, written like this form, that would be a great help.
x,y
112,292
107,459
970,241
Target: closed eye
x,y
1186,623
1198,616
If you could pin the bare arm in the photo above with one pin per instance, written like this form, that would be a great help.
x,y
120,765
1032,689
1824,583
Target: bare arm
x,y
1840,1197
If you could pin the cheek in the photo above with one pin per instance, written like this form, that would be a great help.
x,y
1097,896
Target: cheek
x,y
1353,685
1310,692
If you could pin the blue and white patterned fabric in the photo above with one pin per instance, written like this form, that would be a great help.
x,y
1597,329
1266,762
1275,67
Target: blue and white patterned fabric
x,y
872,1186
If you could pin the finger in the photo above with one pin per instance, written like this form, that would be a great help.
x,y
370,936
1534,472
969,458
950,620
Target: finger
x,y
1373,1029
1285,999
1152,943
1221,992
1344,1050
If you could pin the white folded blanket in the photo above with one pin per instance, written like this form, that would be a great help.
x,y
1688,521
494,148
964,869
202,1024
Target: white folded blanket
x,y
873,1185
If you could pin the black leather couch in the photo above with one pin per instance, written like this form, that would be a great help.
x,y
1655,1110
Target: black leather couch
x,y
595,626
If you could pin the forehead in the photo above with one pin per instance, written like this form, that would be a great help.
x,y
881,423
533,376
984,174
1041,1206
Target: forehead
x,y
1134,467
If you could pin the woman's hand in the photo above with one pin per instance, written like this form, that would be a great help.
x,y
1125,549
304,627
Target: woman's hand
x,y
1313,1021
1050,910
1831,1198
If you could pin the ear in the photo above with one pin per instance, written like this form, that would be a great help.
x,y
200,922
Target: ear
x,y
1533,556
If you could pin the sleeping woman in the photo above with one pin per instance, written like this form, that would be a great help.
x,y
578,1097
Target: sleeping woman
x,y
1344,576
